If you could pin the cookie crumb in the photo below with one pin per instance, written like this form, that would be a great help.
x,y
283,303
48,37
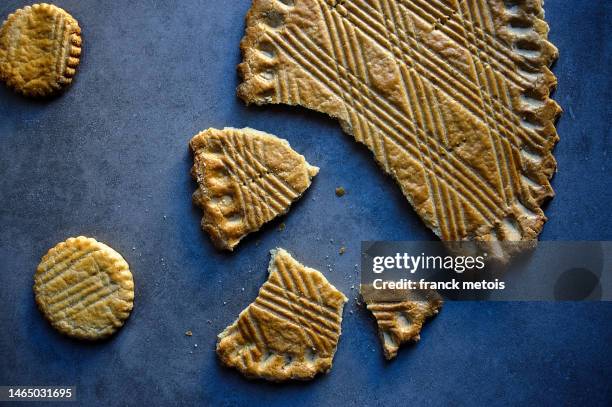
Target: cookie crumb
x,y
189,333
342,250
340,192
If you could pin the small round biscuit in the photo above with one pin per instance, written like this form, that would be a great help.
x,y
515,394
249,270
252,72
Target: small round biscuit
x,y
84,288
40,49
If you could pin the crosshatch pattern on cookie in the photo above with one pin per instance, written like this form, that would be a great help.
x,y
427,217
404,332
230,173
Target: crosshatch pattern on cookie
x,y
402,321
292,328
245,179
84,288
40,50
451,96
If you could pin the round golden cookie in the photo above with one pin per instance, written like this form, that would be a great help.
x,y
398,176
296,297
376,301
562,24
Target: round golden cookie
x,y
84,288
40,47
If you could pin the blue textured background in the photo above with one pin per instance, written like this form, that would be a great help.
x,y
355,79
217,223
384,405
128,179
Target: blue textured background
x,y
109,159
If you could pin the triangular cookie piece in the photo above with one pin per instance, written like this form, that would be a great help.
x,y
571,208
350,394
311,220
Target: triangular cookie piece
x,y
452,97
401,321
292,328
245,179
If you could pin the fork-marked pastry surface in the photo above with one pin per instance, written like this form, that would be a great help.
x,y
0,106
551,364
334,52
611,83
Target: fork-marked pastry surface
x,y
84,288
452,97
400,322
292,328
245,178
40,49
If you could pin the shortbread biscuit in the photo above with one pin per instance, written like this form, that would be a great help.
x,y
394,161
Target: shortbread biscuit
x,y
84,288
40,49
452,97
401,321
292,328
245,179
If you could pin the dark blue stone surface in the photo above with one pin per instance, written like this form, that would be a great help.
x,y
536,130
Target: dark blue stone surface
x,y
109,159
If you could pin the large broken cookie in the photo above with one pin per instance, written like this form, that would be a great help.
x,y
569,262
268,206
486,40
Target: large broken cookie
x,y
245,179
401,321
451,96
292,328
40,49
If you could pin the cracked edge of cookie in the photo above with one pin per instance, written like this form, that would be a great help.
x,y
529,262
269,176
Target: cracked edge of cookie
x,y
201,197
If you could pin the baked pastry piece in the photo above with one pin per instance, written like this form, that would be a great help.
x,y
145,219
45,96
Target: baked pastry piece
x,y
401,321
245,179
84,288
452,97
292,328
40,49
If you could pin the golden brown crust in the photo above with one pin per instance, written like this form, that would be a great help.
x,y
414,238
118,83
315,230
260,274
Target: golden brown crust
x,y
40,49
451,96
401,321
84,288
245,179
291,330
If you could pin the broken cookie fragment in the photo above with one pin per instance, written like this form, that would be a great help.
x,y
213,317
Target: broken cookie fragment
x,y
291,330
401,321
245,179
452,97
